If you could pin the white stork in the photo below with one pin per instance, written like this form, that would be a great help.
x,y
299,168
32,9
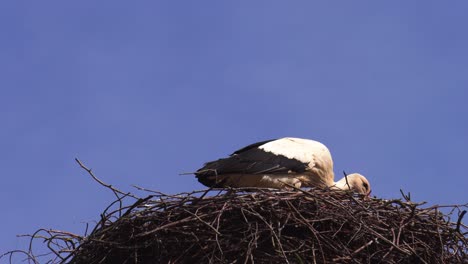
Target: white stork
x,y
272,163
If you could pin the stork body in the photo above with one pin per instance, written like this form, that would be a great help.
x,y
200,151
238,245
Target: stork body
x,y
277,164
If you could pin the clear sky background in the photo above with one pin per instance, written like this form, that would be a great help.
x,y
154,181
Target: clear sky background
x,y
143,91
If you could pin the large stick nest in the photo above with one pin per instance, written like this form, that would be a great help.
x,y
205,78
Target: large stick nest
x,y
265,226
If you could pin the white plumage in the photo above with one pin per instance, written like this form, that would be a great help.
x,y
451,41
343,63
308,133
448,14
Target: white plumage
x,y
277,164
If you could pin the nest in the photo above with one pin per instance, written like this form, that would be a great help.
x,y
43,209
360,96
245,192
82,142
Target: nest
x,y
264,226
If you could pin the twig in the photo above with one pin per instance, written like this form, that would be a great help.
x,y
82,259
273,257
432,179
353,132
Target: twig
x,y
114,190
346,179
460,217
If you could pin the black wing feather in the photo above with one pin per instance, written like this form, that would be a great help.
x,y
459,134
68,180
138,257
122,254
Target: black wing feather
x,y
250,160
252,146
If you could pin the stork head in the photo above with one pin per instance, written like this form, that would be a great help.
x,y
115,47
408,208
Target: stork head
x,y
356,183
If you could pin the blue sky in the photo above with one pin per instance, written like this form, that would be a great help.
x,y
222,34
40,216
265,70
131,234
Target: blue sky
x,y
141,92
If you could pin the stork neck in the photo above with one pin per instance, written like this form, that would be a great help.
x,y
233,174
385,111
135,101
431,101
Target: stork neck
x,y
343,185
